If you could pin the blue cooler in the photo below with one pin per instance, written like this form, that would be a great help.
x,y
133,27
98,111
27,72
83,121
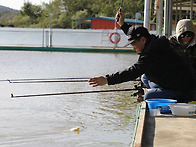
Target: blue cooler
x,y
161,104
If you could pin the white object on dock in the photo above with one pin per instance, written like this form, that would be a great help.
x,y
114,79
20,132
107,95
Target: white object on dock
x,y
183,109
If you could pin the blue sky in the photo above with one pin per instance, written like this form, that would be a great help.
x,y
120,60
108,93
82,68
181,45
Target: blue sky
x,y
17,4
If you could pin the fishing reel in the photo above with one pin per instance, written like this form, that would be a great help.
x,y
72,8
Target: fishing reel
x,y
139,89
139,93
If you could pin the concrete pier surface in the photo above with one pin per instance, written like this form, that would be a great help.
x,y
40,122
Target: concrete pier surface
x,y
165,130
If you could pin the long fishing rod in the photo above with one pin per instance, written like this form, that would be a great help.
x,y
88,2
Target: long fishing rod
x,y
48,81
120,9
51,80
68,93
82,79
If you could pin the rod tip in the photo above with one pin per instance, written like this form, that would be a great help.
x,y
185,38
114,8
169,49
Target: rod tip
x,y
12,95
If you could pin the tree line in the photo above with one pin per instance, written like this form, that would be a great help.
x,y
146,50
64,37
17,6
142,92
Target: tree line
x,y
64,12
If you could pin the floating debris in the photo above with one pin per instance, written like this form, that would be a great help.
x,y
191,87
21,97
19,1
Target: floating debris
x,y
76,129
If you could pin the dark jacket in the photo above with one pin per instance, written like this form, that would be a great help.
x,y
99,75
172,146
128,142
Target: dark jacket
x,y
161,64
187,51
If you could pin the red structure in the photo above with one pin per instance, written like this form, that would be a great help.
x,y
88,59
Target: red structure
x,y
100,23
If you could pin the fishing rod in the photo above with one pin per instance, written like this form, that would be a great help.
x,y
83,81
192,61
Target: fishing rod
x,y
120,9
50,80
83,79
68,93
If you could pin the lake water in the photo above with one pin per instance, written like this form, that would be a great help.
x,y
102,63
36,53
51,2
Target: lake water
x,y
105,119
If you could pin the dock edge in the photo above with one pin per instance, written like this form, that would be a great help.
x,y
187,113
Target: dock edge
x,y
139,126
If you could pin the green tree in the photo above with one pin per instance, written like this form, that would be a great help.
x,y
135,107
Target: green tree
x,y
59,15
65,11
64,21
33,11
104,7
80,15
22,21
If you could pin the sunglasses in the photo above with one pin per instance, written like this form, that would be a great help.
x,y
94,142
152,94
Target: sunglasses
x,y
187,35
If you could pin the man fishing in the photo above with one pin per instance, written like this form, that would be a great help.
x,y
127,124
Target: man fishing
x,y
168,73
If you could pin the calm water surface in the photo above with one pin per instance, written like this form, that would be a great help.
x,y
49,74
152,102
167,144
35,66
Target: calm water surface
x,y
105,119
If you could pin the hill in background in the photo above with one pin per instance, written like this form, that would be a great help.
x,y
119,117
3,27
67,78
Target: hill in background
x,y
7,15
3,8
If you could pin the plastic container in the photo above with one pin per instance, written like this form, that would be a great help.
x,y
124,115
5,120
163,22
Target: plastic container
x,y
154,112
160,105
183,109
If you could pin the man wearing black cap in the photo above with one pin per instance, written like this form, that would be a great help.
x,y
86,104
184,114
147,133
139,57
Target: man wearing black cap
x,y
169,75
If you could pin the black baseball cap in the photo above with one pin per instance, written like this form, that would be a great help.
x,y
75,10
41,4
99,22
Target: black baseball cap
x,y
135,32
